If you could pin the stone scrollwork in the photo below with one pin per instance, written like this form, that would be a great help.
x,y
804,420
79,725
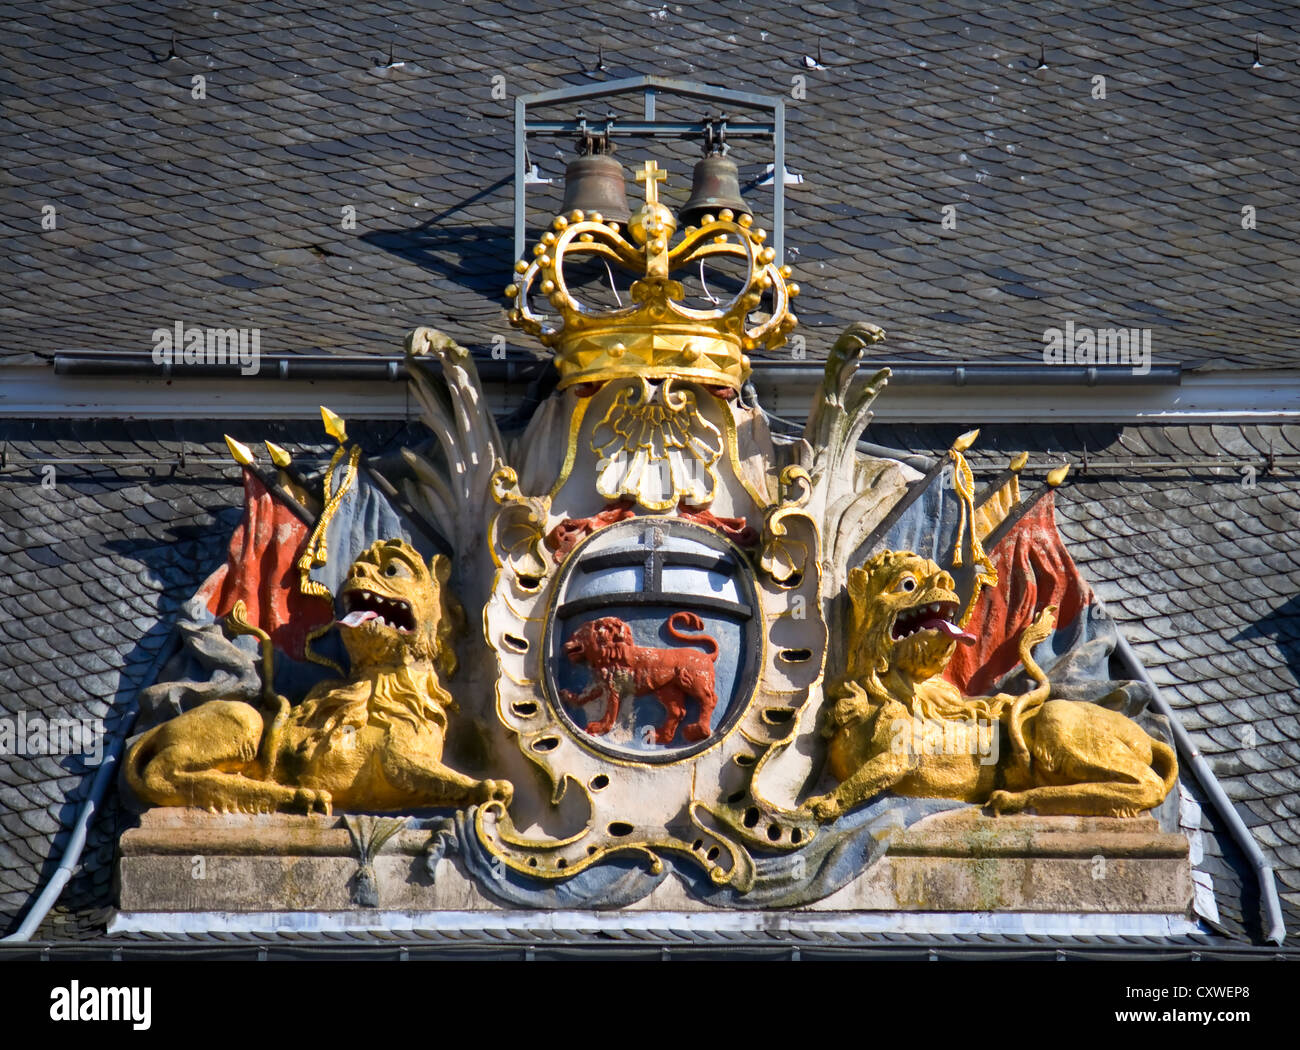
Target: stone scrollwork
x,y
781,556
517,533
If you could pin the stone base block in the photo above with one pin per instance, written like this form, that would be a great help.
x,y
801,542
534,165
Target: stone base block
x,y
189,861
965,861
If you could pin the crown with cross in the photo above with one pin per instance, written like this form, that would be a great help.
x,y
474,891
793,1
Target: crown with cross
x,y
656,335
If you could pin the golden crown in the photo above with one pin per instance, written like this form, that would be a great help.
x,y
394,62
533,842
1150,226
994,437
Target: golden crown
x,y
656,336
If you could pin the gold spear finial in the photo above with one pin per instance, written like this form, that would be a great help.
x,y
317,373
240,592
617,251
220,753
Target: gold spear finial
x,y
1055,477
335,425
242,453
965,441
279,455
1018,463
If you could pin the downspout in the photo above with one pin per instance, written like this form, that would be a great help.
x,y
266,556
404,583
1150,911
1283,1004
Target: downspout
x,y
1189,754
81,828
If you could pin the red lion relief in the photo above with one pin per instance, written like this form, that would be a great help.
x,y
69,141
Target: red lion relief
x,y
625,670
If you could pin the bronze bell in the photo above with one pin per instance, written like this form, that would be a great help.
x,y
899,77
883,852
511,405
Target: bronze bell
x,y
595,183
715,185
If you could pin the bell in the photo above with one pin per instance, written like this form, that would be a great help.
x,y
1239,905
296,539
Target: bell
x,y
594,183
715,185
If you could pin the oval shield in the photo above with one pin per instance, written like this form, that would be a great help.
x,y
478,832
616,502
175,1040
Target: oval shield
x,y
653,644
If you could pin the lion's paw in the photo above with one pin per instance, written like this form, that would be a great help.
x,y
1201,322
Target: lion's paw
x,y
1004,802
311,800
822,808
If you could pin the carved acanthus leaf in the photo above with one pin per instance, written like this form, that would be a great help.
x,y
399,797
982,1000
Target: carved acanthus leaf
x,y
456,493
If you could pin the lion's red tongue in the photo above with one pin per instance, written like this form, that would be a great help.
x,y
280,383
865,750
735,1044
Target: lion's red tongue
x,y
358,616
938,623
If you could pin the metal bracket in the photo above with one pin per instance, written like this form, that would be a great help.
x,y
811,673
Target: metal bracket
x,y
650,127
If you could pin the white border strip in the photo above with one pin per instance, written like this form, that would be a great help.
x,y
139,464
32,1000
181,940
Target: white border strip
x,y
679,924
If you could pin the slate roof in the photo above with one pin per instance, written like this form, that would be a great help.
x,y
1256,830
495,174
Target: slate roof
x,y
1200,572
226,211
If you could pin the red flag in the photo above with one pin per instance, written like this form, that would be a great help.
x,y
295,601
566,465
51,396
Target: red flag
x,y
261,570
1034,571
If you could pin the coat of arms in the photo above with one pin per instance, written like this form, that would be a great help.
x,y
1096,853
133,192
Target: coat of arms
x,y
672,637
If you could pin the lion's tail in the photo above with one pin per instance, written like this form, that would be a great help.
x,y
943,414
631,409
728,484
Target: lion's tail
x,y
1165,762
689,621
1043,625
138,756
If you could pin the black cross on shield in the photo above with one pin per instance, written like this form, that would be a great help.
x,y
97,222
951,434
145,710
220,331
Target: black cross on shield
x,y
652,615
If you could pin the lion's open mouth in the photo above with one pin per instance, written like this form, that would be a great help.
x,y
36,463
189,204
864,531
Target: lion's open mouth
x,y
366,607
936,616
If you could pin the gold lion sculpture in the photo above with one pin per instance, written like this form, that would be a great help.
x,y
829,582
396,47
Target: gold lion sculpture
x,y
373,741
1062,756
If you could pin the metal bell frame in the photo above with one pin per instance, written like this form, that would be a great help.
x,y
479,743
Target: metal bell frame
x,y
772,128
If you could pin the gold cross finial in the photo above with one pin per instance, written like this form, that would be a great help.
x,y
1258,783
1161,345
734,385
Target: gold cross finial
x,y
651,175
